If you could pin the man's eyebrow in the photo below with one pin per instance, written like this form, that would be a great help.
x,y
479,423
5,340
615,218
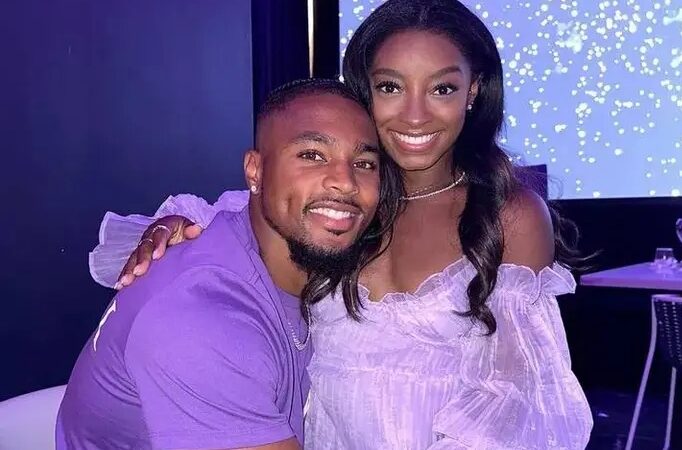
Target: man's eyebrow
x,y
322,138
364,147
313,136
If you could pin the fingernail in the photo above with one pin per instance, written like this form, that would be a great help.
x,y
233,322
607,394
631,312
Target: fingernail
x,y
156,254
137,270
118,286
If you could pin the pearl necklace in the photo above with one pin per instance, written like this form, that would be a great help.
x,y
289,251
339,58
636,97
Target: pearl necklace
x,y
417,196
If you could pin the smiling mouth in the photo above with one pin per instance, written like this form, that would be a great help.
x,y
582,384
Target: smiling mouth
x,y
415,139
335,217
333,214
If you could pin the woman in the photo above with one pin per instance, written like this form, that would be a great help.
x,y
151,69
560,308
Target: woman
x,y
459,342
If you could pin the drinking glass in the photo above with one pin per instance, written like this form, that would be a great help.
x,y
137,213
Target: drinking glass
x,y
664,258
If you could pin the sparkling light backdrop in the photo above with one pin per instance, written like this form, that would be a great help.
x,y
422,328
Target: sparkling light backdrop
x,y
593,89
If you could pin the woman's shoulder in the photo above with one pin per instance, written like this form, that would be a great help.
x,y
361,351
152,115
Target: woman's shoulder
x,y
528,231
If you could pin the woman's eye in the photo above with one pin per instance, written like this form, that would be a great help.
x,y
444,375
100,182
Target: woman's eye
x,y
444,89
311,155
388,87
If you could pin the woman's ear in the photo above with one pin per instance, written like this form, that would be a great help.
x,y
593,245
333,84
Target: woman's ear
x,y
473,93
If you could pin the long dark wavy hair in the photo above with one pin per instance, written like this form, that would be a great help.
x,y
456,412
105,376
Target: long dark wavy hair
x,y
377,235
491,177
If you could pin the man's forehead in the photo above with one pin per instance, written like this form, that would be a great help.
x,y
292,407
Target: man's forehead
x,y
322,113
322,105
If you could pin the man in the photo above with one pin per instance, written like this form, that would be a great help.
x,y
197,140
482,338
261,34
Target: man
x,y
209,349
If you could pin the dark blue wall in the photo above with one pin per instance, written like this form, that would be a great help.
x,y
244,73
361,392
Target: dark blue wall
x,y
104,105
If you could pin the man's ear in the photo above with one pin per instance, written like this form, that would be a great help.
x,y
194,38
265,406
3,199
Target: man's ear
x,y
253,170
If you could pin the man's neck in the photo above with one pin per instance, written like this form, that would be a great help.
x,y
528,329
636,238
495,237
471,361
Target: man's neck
x,y
275,253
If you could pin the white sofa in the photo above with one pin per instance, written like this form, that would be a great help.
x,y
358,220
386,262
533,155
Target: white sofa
x,y
28,422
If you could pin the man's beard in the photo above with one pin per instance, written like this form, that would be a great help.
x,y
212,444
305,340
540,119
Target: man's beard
x,y
326,262
310,258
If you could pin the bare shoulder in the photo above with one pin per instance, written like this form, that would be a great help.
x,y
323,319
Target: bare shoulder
x,y
528,232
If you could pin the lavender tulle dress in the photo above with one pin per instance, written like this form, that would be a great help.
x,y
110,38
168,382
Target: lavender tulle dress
x,y
413,374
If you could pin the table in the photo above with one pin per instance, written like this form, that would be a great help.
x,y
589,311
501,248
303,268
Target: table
x,y
643,276
638,276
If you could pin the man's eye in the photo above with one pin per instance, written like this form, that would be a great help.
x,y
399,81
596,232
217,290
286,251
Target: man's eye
x,y
311,155
366,165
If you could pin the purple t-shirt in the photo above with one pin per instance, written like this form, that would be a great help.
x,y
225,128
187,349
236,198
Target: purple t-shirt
x,y
198,353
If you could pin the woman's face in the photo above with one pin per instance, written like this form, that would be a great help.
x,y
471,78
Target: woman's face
x,y
421,86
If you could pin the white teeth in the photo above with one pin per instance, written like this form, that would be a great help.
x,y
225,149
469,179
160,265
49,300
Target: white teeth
x,y
332,213
415,140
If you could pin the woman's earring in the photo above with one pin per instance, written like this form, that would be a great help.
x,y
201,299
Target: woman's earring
x,y
470,106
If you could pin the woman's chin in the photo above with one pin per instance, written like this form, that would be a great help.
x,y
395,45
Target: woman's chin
x,y
417,163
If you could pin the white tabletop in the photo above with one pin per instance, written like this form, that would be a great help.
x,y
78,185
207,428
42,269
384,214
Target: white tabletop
x,y
638,276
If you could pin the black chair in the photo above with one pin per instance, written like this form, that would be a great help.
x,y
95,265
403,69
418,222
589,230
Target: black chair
x,y
666,333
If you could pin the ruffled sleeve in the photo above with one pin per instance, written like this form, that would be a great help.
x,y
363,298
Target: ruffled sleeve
x,y
518,390
119,235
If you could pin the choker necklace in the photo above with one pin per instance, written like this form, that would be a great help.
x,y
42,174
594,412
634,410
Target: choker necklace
x,y
417,195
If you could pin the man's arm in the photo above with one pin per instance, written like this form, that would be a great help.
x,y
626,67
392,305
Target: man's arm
x,y
289,444
128,242
204,365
